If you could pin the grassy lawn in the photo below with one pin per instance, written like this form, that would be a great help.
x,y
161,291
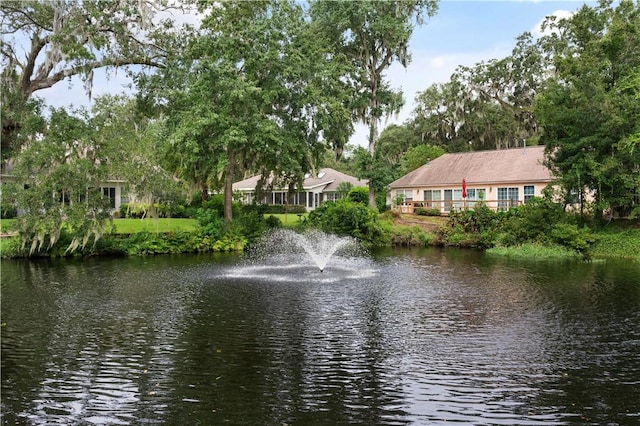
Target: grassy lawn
x,y
289,219
131,226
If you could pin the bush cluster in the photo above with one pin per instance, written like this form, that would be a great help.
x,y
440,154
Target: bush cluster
x,y
282,209
540,221
348,218
427,212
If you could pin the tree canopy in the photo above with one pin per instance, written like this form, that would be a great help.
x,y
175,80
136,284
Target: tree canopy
x,y
487,106
44,42
590,112
373,35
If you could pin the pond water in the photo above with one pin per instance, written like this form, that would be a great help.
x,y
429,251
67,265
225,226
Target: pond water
x,y
396,337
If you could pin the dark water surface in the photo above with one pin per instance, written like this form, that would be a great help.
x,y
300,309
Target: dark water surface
x,y
401,337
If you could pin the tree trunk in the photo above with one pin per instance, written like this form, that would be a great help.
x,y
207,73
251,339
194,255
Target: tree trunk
x,y
228,186
373,136
204,191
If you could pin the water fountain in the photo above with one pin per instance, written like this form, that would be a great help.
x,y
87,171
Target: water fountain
x,y
285,255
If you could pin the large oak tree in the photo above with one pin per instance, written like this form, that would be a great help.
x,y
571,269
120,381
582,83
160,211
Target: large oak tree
x,y
255,89
373,35
590,111
47,42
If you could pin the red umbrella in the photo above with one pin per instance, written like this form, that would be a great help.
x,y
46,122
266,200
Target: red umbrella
x,y
464,188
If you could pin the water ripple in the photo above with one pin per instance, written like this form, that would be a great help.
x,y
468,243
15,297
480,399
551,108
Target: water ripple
x,y
430,339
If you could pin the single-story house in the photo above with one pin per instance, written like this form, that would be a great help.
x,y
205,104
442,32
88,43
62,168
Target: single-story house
x,y
500,178
315,189
114,189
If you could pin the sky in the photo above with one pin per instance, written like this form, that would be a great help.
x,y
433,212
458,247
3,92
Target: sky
x,y
461,33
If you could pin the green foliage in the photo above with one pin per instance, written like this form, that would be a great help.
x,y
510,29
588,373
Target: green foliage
x,y
371,36
11,248
343,189
140,210
282,209
479,219
532,251
570,236
359,194
145,243
346,218
532,221
253,88
210,221
410,236
250,224
378,170
540,221
63,172
487,106
66,39
614,241
420,211
590,112
418,156
273,222
8,200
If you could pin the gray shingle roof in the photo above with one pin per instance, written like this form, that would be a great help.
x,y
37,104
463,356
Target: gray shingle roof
x,y
491,167
329,177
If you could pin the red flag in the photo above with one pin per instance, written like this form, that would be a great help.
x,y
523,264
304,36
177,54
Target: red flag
x,y
464,188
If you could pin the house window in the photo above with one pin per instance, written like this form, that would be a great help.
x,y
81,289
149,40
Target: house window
x,y
475,194
529,192
452,199
63,197
457,197
448,196
507,198
331,196
573,196
433,198
111,193
406,194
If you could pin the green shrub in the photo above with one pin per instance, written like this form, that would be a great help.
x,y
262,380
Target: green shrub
x,y
476,220
359,194
531,251
10,248
282,209
615,242
273,222
345,217
8,200
250,223
532,221
410,236
210,221
427,212
572,237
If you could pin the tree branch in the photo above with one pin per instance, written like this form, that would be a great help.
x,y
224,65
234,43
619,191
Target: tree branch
x,y
68,72
36,46
13,10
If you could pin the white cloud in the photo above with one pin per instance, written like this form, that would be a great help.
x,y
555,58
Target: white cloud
x,y
559,14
